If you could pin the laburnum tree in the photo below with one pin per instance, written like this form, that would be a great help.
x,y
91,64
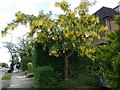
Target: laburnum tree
x,y
109,57
71,32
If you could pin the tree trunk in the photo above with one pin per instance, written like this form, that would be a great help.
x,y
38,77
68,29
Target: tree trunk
x,y
66,67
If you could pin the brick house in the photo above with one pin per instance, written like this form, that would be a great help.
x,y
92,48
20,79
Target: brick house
x,y
106,16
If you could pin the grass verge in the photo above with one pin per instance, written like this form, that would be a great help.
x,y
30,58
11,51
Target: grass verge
x,y
6,76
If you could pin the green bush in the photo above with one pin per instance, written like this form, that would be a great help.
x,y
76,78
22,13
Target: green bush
x,y
24,61
5,65
30,67
41,57
45,77
82,71
109,58
70,83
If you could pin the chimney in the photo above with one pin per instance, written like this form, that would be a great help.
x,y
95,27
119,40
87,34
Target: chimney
x,y
119,6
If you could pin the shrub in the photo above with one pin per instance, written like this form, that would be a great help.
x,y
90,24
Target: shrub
x,y
30,67
25,60
82,71
70,83
5,65
41,57
109,58
45,77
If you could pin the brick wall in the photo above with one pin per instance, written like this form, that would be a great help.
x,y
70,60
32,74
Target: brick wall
x,y
111,26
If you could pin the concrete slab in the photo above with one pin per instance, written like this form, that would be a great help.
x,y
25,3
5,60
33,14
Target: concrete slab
x,y
5,83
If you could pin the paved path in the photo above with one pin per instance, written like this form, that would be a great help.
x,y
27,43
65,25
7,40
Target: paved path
x,y
1,73
19,80
1,78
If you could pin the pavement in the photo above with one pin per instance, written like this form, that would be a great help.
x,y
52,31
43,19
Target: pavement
x,y
0,78
19,80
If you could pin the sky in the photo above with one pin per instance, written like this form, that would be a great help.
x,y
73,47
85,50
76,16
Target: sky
x,y
8,8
